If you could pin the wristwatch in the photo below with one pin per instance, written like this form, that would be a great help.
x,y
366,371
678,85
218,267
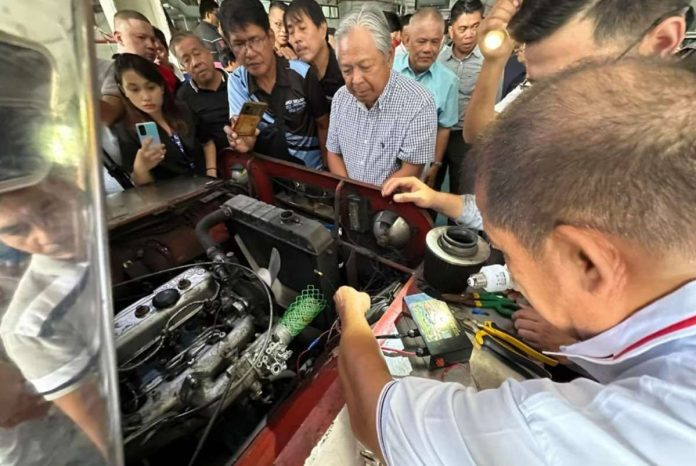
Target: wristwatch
x,y
437,164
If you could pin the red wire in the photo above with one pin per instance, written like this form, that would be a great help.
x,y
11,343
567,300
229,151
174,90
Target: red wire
x,y
398,351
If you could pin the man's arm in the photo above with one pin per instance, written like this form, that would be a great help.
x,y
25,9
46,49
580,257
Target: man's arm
x,y
440,147
85,406
361,366
210,158
481,110
408,170
336,165
323,131
415,191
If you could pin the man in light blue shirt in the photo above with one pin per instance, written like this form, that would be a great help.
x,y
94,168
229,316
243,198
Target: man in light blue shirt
x,y
423,40
601,243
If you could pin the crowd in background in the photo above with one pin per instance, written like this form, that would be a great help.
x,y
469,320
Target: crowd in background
x,y
401,116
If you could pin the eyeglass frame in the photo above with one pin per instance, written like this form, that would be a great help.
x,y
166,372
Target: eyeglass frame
x,y
239,49
686,12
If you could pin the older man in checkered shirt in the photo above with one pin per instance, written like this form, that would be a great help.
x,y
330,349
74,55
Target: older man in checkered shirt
x,y
382,125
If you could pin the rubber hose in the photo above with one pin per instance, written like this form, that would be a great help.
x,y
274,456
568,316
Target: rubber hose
x,y
203,230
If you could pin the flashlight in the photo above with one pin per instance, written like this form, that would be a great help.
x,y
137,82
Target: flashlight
x,y
493,40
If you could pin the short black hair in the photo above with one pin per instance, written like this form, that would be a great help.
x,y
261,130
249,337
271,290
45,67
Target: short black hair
x,y
393,21
310,8
538,19
606,152
405,19
159,35
465,7
207,6
278,4
238,14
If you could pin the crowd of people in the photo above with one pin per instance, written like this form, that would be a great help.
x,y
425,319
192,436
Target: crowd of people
x,y
382,97
570,142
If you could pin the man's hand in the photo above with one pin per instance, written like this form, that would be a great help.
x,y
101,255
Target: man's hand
x,y
497,20
412,190
239,143
16,403
350,302
148,156
431,177
536,331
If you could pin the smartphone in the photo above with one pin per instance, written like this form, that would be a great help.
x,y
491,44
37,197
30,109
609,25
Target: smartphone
x,y
249,118
148,130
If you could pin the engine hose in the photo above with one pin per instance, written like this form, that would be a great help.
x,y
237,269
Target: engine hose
x,y
211,248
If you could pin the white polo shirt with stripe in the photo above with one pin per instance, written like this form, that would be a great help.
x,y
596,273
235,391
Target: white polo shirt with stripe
x,y
640,410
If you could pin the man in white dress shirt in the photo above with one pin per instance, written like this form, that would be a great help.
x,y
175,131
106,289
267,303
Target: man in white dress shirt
x,y
602,245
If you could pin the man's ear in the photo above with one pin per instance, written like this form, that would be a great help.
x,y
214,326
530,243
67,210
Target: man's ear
x,y
591,258
118,37
666,38
405,38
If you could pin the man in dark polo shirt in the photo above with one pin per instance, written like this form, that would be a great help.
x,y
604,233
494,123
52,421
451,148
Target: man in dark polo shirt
x,y
207,30
295,125
307,33
205,94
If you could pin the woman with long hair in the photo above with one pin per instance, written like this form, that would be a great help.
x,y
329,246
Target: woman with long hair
x,y
146,99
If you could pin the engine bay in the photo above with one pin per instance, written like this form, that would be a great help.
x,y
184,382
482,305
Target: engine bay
x,y
223,302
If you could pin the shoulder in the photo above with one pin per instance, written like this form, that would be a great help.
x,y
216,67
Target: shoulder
x,y
446,75
341,97
185,92
408,90
238,78
299,67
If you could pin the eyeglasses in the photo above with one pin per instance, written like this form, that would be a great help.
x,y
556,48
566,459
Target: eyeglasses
x,y
687,13
254,44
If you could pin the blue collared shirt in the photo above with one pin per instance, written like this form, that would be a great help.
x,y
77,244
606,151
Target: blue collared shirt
x,y
441,82
641,409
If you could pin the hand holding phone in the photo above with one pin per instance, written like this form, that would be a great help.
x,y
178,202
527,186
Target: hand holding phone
x,y
148,129
249,118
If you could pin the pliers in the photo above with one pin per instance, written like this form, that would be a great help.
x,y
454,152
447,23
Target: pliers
x,y
506,339
496,301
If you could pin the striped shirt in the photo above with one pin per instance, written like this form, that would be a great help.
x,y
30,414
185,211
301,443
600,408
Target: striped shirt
x,y
400,127
51,327
304,102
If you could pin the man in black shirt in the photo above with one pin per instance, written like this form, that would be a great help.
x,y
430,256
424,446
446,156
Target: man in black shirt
x,y
205,94
307,33
295,125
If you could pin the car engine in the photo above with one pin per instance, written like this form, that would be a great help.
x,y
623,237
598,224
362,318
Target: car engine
x,y
224,310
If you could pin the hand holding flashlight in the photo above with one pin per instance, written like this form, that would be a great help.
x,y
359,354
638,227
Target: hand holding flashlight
x,y
494,40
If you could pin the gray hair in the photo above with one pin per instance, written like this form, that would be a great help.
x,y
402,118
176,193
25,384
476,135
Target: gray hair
x,y
369,17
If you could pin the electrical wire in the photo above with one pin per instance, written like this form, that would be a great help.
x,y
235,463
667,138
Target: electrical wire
x,y
231,382
397,351
173,269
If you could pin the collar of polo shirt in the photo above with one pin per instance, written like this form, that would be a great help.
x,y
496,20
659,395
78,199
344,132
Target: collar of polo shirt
x,y
282,66
449,55
195,87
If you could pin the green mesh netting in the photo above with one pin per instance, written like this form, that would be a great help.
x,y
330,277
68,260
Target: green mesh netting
x,y
306,306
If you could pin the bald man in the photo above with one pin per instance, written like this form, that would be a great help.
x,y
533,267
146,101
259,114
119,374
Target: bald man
x,y
134,34
423,41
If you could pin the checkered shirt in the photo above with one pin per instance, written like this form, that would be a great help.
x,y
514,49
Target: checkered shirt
x,y
400,127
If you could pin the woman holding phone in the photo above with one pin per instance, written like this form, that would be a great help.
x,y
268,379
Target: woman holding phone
x,y
157,137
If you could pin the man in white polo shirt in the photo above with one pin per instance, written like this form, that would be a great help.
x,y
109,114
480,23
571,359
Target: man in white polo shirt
x,y
601,243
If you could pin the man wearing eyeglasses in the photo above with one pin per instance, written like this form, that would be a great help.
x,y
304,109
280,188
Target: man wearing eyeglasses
x,y
295,125
560,34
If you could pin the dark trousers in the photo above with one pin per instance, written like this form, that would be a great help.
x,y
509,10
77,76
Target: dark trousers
x,y
462,168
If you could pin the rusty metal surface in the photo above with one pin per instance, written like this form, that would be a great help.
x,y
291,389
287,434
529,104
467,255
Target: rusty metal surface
x,y
133,204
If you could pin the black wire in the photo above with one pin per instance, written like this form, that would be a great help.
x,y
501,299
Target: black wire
x,y
323,197
172,269
231,383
